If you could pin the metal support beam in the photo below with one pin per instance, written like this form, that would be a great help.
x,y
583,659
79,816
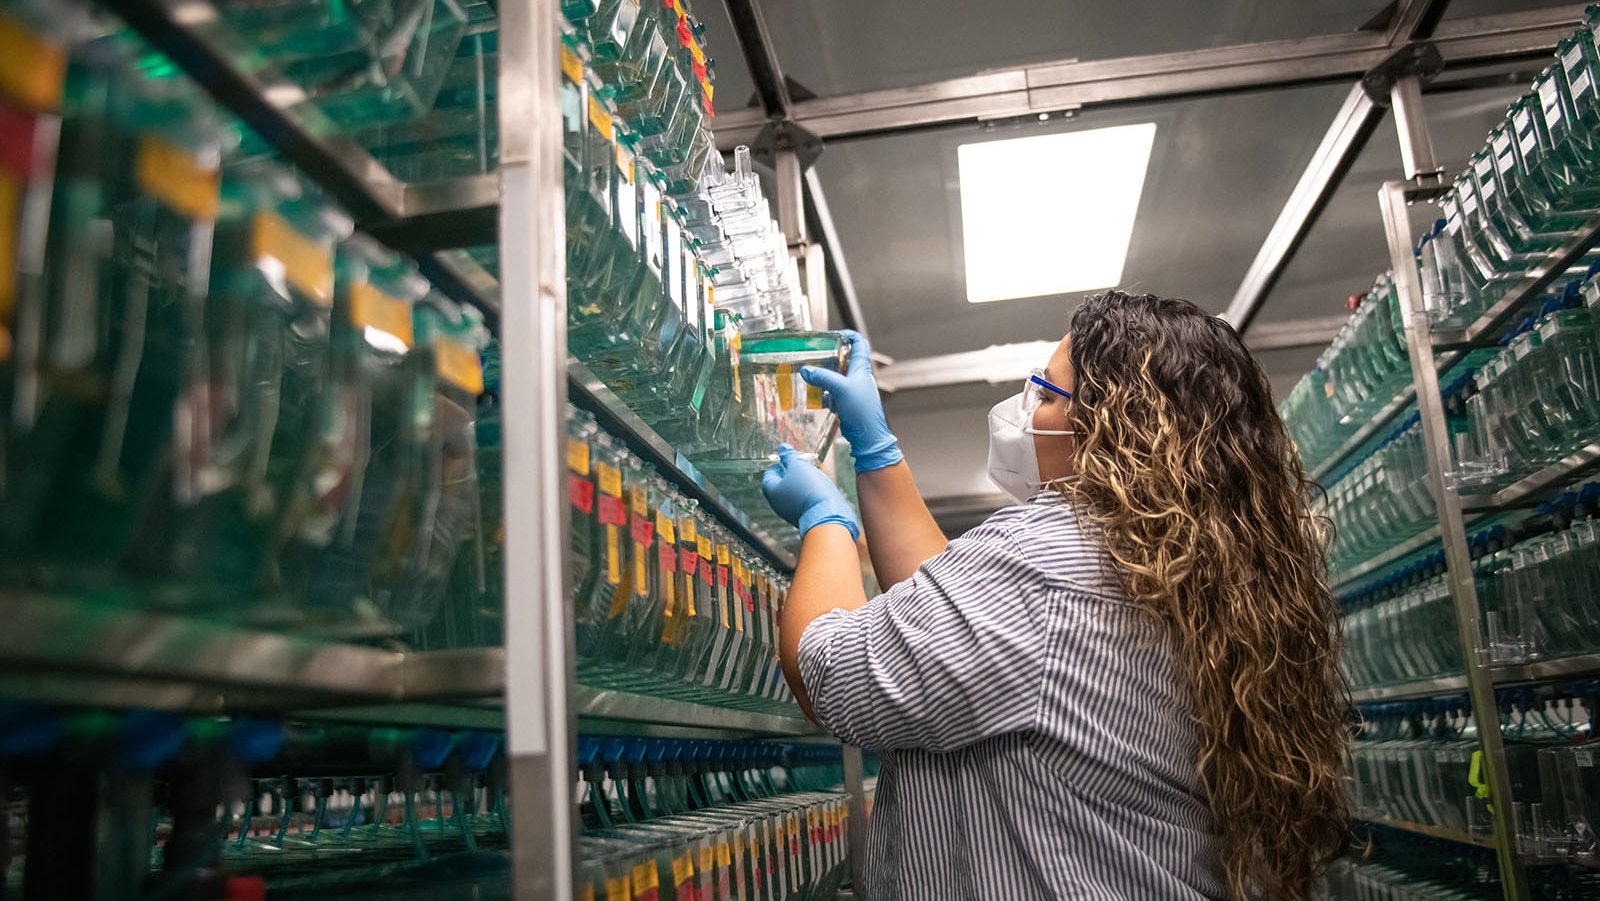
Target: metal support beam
x,y
1416,145
1354,124
540,729
772,89
1452,530
1002,363
1052,87
1352,127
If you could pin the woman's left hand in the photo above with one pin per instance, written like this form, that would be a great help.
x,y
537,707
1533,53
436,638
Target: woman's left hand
x,y
804,496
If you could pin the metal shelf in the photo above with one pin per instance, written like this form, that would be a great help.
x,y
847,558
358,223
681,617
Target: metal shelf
x,y
1575,667
603,711
1539,485
1439,832
1373,564
77,652
1555,263
416,219
587,391
1430,688
1380,420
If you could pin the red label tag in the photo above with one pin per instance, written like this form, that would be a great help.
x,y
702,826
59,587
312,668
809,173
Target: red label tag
x,y
16,140
722,577
669,560
705,571
581,491
611,513
643,530
749,604
686,892
691,560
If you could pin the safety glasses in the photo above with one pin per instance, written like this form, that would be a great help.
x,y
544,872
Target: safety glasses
x,y
1034,388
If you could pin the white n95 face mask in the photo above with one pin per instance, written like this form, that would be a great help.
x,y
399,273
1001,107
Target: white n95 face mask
x,y
1013,465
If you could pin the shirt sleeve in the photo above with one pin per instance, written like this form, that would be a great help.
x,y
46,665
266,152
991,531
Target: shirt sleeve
x,y
947,658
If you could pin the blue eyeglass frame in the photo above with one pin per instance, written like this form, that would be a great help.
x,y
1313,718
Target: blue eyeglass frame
x,y
1037,379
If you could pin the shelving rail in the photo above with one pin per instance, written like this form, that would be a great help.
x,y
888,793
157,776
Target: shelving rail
x,y
55,649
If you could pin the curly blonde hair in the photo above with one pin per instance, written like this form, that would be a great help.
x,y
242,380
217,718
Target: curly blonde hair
x,y
1184,464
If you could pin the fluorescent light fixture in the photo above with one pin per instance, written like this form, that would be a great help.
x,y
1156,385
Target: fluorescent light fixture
x,y
1051,214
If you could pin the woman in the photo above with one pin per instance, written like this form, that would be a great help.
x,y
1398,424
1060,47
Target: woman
x,y
1125,687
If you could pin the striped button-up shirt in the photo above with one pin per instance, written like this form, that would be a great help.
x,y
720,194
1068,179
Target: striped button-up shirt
x,y
1036,740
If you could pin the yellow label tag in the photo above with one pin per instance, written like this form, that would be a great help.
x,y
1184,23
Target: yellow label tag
x,y
459,365
813,397
722,555
625,163
688,529
641,570
640,500
703,546
173,176
601,120
371,308
785,387
32,70
613,555
618,889
645,878
610,480
670,584
307,264
724,855
688,593
708,859
682,869
695,51
665,530
587,894
578,456
571,66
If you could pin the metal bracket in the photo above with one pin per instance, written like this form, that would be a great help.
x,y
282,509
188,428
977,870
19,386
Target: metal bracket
x,y
1421,59
779,135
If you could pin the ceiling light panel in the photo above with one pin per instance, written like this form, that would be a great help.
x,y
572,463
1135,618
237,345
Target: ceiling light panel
x,y
1051,214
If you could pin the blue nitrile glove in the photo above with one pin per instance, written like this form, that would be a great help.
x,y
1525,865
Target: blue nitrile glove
x,y
853,395
803,495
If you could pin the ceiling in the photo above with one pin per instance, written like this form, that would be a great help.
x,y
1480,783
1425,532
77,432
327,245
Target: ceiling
x,y
1220,172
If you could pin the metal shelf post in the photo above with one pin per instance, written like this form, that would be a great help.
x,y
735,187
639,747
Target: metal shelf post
x,y
1394,198
540,729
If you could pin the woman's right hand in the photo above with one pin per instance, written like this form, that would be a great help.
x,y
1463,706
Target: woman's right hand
x,y
853,395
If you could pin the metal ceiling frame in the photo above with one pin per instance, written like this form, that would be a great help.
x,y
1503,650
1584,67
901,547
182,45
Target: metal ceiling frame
x,y
1406,30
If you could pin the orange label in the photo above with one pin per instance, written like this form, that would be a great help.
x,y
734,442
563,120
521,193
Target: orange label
x,y
371,308
588,892
459,365
32,70
571,66
173,176
785,387
307,264
578,456
625,163
645,879
708,859
618,889
724,855
10,211
601,120
682,869
613,555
